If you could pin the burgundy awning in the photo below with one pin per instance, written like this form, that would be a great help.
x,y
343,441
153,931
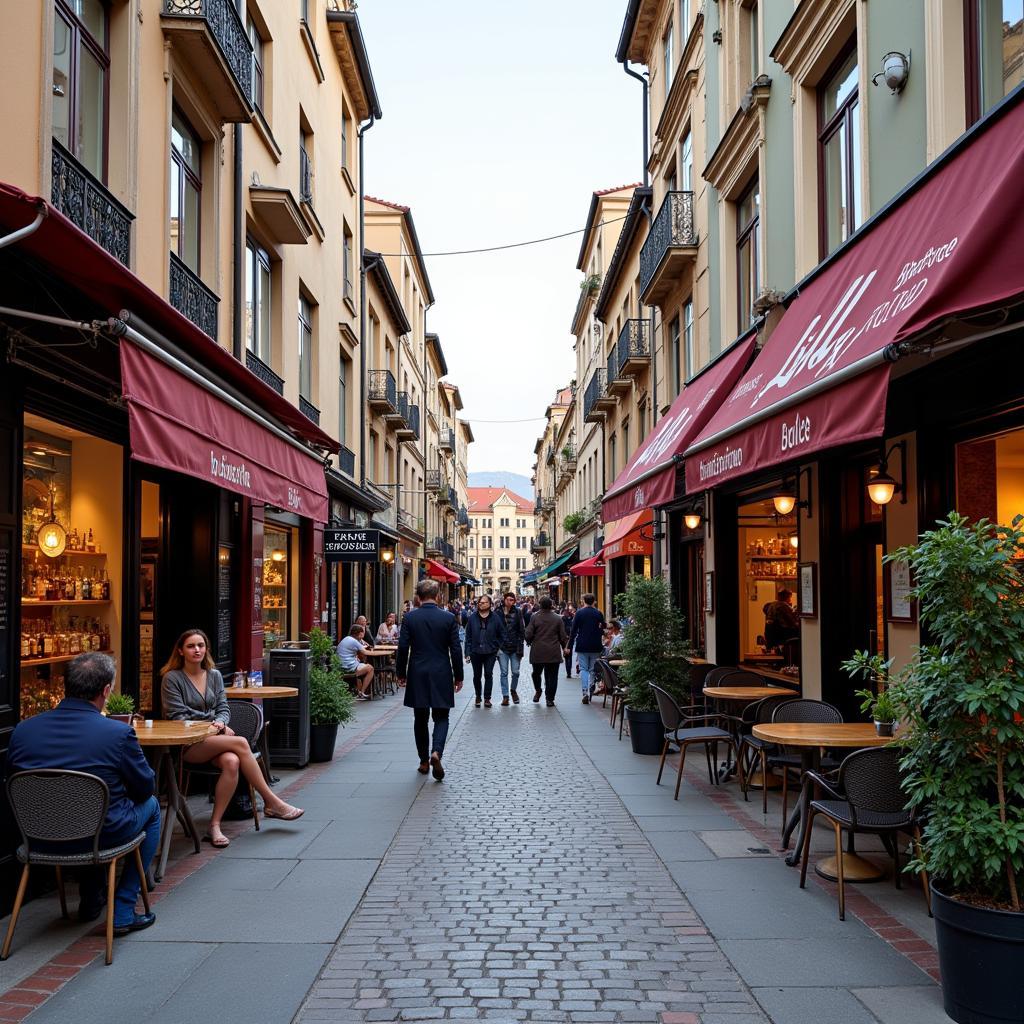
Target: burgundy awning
x,y
440,572
73,256
649,478
593,566
176,424
951,247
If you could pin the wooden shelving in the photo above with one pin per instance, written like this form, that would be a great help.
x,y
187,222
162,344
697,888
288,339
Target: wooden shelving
x,y
28,602
53,659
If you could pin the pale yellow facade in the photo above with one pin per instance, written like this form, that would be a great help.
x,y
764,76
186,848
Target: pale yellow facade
x,y
501,530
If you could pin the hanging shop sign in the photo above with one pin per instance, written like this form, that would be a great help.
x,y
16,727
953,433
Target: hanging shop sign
x,y
351,544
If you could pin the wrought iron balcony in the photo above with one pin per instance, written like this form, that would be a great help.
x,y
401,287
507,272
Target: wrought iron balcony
x,y
257,367
404,430
210,37
618,383
190,297
549,457
414,422
538,506
540,542
548,504
382,393
670,247
397,417
447,549
595,398
432,548
410,522
566,466
463,516
634,347
446,440
309,410
453,500
433,480
84,200
444,493
347,461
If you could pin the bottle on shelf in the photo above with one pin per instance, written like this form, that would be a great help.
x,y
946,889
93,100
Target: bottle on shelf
x,y
90,543
73,540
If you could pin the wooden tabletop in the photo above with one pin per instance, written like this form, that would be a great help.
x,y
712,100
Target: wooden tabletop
x,y
748,693
818,734
164,733
260,692
381,652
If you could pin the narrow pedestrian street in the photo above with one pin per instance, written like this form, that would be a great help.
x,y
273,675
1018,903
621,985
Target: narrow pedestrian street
x,y
547,879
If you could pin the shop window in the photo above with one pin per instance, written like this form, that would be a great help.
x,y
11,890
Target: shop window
x,y
81,69
994,39
186,190
839,155
257,301
990,477
72,524
748,245
277,555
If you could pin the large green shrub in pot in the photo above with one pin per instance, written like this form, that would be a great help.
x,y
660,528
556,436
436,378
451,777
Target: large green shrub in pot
x,y
961,701
330,700
653,645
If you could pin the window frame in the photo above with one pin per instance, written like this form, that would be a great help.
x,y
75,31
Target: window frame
x,y
668,55
342,399
688,334
260,261
973,66
749,233
256,40
187,174
305,326
673,340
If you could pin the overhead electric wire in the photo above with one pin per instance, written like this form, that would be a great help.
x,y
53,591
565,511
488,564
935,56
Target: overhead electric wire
x,y
511,245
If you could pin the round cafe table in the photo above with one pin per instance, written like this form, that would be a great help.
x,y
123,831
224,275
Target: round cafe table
x,y
158,741
810,738
262,693
742,695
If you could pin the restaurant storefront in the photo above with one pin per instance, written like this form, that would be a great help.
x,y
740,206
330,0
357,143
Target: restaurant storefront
x,y
879,402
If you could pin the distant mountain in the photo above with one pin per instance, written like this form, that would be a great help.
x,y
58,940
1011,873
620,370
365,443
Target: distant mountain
x,y
513,481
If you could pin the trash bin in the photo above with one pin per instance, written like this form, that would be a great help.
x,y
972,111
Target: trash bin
x,y
288,733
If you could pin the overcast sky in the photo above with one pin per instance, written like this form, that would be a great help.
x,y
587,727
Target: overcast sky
x,y
500,120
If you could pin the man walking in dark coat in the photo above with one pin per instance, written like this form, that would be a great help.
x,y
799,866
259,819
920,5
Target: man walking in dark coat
x,y
429,664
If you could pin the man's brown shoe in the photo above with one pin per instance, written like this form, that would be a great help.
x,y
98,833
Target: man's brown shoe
x,y
515,697
436,767
504,702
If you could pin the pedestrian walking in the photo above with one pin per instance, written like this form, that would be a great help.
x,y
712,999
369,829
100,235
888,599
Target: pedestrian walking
x,y
484,636
587,636
429,665
510,654
547,639
568,614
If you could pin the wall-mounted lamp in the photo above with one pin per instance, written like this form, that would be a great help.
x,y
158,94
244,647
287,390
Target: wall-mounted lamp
x,y
895,71
789,497
692,520
882,488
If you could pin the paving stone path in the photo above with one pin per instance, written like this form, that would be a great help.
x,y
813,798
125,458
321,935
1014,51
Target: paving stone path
x,y
521,889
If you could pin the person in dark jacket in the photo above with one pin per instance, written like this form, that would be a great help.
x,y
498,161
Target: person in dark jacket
x,y
75,736
484,636
547,639
568,614
429,665
510,653
587,636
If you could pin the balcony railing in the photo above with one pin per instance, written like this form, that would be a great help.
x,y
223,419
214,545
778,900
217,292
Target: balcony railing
x,y
549,458
540,542
190,297
673,228
593,397
444,493
446,441
463,516
347,461
414,422
433,480
538,506
260,369
309,410
443,547
409,521
223,49
84,200
383,391
634,346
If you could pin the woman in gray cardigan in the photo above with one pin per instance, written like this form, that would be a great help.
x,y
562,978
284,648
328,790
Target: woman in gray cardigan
x,y
193,689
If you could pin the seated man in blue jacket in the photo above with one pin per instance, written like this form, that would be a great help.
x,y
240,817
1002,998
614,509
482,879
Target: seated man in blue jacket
x,y
76,737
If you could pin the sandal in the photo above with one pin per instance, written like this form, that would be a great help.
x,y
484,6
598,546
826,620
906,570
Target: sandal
x,y
218,844
290,815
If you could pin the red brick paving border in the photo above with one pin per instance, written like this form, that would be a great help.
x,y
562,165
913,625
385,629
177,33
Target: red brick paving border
x,y
31,992
888,928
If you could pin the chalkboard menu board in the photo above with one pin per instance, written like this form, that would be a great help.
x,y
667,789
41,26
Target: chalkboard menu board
x,y
6,548
225,563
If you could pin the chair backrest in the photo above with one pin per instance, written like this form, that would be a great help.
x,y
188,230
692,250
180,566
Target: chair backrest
x,y
671,715
246,720
53,805
742,677
805,710
609,676
764,709
718,673
871,780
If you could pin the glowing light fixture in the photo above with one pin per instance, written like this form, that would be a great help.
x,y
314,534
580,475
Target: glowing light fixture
x,y
277,555
692,520
881,486
784,503
52,538
794,542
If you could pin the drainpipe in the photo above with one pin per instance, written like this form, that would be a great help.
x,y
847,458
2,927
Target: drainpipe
x,y
362,302
643,81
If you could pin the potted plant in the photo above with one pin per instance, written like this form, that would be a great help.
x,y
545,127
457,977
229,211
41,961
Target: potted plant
x,y
330,701
961,702
652,646
591,284
572,522
120,707
876,700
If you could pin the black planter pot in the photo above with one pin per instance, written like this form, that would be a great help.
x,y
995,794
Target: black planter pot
x,y
980,957
321,742
646,733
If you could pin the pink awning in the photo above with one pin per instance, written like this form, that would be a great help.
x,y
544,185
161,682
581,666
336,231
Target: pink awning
x,y
953,246
626,536
437,571
649,478
593,566
177,425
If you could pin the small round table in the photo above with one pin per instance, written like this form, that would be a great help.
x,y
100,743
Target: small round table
x,y
810,738
158,740
744,695
262,693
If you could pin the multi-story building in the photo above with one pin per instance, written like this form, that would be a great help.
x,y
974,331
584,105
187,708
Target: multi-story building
x,y
791,197
501,528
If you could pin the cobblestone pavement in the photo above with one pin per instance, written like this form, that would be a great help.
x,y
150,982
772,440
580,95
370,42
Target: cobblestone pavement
x,y
521,889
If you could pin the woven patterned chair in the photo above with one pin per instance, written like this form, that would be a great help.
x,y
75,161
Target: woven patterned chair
x,y
757,713
53,807
681,728
720,672
246,720
615,688
800,710
868,797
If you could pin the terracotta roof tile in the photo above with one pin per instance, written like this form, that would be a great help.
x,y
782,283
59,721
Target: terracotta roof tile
x,y
617,188
385,202
481,498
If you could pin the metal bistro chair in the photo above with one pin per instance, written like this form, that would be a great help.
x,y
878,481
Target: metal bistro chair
x,y
869,797
800,710
720,672
55,806
613,687
757,713
676,723
247,721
